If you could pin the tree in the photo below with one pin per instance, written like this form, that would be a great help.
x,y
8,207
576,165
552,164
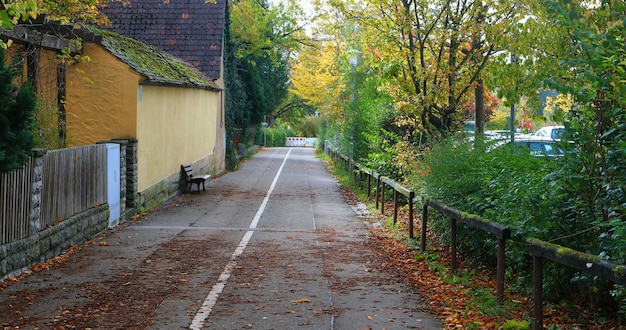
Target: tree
x,y
432,53
64,11
491,103
316,80
592,72
259,57
13,11
70,11
258,43
17,104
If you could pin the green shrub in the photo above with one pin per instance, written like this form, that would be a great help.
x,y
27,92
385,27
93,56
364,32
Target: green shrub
x,y
17,104
273,137
502,185
46,126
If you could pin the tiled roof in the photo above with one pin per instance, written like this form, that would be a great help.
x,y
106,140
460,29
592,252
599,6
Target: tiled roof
x,y
159,67
189,29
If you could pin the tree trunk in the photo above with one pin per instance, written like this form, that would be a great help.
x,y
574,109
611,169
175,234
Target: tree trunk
x,y
479,99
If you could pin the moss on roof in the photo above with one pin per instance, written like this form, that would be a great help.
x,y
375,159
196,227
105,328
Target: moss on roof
x,y
159,67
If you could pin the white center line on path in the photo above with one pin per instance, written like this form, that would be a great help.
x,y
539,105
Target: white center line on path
x,y
211,299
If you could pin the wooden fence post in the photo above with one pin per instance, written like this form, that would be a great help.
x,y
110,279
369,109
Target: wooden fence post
x,y
424,223
500,270
382,198
360,178
369,185
377,194
452,246
411,197
538,292
395,206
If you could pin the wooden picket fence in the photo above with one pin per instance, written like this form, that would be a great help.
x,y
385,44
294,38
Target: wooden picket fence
x,y
15,203
73,180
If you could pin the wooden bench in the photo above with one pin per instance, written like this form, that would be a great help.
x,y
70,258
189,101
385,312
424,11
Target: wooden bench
x,y
192,178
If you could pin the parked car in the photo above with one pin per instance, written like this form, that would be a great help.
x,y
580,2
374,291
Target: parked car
x,y
535,146
550,132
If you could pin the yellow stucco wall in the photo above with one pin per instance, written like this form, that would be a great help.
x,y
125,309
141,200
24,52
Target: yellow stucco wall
x,y
105,100
174,126
101,98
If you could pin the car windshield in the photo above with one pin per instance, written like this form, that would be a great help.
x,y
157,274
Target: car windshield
x,y
557,133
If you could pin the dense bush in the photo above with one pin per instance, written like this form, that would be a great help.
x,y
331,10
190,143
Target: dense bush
x,y
502,185
594,178
381,157
273,137
528,194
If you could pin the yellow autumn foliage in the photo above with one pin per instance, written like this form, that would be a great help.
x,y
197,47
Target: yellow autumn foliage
x,y
315,79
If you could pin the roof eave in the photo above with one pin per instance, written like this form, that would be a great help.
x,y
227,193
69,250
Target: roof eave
x,y
211,87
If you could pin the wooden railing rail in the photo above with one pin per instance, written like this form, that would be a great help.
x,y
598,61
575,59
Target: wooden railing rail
x,y
584,262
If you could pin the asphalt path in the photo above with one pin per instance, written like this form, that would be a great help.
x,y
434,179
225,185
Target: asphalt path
x,y
273,245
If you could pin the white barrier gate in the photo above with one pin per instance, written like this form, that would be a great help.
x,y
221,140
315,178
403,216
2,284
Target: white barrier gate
x,y
300,142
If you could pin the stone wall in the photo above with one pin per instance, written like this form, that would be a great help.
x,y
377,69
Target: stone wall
x,y
132,179
17,257
34,223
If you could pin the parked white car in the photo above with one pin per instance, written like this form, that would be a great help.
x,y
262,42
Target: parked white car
x,y
550,132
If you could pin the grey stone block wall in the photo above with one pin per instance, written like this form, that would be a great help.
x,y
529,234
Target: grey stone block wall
x,y
131,174
34,224
17,257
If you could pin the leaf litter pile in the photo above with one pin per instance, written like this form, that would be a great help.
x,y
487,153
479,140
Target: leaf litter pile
x,y
458,303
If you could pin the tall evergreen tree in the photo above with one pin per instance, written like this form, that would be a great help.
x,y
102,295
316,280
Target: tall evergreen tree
x,y
17,104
